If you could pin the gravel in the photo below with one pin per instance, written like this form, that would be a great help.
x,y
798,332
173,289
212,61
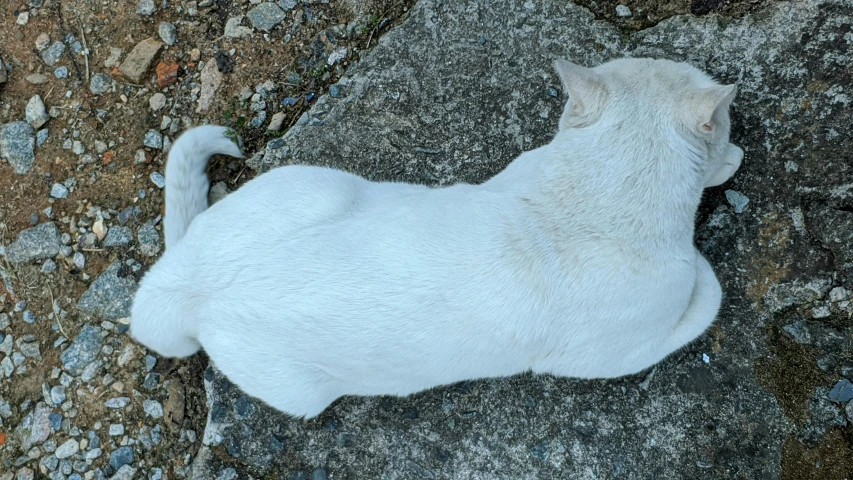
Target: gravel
x,y
34,243
17,146
82,351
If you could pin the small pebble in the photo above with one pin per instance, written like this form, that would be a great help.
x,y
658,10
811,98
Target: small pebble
x,y
153,139
118,402
59,191
67,449
100,83
842,392
153,408
158,179
156,102
737,200
146,7
168,33
623,11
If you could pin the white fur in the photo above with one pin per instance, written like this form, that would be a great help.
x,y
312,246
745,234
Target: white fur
x,y
310,283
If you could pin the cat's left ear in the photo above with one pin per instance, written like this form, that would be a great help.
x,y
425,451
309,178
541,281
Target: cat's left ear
x,y
705,102
587,94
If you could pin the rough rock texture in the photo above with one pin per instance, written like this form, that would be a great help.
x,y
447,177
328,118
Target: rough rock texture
x,y
457,92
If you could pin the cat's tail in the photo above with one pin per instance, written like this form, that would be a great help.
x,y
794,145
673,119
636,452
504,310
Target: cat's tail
x,y
186,181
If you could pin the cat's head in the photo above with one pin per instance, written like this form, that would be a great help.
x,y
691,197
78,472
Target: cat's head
x,y
658,97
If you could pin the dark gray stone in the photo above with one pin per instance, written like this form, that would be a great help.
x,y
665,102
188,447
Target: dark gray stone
x,y
35,243
17,146
111,295
432,105
82,351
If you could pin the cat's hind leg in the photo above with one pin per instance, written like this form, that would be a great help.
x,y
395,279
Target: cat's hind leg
x,y
701,311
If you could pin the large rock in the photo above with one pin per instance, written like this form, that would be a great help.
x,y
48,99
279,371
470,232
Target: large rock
x,y
458,91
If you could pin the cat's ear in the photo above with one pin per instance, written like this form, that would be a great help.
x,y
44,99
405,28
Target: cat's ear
x,y
587,93
705,102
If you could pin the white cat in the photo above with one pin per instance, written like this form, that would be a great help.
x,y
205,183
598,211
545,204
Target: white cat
x,y
310,283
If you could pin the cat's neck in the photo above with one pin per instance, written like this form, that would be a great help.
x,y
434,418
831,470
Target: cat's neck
x,y
646,187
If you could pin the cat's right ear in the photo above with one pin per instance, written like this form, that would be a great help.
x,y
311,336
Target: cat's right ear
x,y
587,94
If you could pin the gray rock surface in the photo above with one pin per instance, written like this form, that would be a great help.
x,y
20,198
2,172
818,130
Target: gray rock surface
x,y
110,296
17,146
41,241
458,91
